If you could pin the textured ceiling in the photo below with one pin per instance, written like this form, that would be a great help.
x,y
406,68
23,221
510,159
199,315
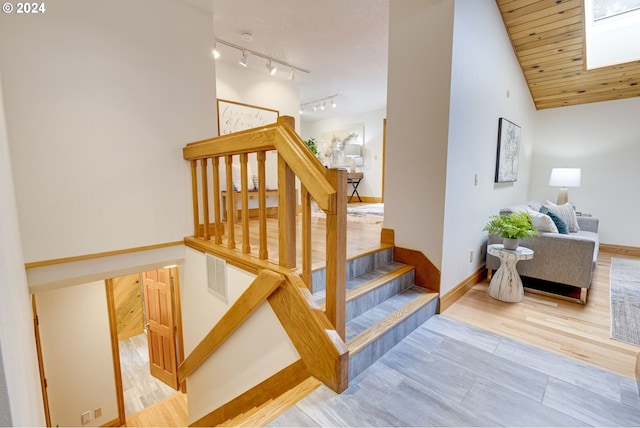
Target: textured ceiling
x,y
342,43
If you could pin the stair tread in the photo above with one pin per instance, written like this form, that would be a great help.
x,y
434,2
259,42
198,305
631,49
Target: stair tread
x,y
379,318
364,279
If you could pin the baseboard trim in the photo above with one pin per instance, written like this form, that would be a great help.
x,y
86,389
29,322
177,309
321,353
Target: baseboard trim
x,y
113,423
620,249
51,262
453,295
365,199
269,389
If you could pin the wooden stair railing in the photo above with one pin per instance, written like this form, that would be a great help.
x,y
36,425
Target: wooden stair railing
x,y
327,187
322,352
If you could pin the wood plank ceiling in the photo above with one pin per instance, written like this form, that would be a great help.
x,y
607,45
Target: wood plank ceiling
x,y
548,38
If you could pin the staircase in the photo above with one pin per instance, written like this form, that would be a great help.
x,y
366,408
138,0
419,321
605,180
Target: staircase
x,y
383,305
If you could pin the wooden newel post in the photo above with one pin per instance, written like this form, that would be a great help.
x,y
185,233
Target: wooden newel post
x,y
337,253
288,120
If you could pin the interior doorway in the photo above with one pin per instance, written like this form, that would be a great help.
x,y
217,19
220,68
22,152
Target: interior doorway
x,y
143,367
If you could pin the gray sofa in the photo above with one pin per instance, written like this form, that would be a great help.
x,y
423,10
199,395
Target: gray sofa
x,y
567,260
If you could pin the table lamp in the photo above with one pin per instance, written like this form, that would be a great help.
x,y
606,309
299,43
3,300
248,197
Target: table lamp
x,y
353,151
564,178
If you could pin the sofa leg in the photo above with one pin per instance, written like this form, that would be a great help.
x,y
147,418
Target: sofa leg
x,y
489,273
583,296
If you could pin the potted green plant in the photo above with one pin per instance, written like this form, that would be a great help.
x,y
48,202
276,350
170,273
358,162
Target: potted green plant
x,y
511,227
311,143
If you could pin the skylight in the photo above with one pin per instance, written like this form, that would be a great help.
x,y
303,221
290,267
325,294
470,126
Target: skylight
x,y
612,30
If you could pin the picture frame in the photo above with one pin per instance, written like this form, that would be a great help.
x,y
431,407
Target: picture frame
x,y
509,136
234,116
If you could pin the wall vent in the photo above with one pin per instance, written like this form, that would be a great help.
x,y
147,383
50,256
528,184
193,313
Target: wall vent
x,y
217,277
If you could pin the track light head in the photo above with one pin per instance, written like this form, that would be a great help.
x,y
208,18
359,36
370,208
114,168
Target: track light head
x,y
271,68
333,103
244,61
292,74
215,52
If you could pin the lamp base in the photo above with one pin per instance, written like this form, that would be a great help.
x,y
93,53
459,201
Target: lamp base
x,y
563,196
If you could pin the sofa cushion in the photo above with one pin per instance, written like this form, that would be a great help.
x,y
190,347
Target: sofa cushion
x,y
566,212
542,222
559,223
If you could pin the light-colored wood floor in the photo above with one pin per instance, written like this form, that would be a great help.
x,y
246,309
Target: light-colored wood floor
x,y
361,237
566,328
170,412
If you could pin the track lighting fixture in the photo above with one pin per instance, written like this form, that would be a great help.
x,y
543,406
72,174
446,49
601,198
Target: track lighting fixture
x,y
320,104
216,52
244,61
271,68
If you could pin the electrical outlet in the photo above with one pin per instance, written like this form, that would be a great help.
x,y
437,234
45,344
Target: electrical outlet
x,y
86,418
470,256
97,413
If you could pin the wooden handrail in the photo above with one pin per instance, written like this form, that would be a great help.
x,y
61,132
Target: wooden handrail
x,y
321,349
261,288
327,187
278,136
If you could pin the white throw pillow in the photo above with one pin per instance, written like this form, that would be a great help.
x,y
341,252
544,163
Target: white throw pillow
x,y
566,212
236,180
542,222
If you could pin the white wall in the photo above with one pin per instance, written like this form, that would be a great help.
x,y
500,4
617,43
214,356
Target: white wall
x,y
373,122
20,364
76,348
487,83
603,139
258,349
420,46
100,99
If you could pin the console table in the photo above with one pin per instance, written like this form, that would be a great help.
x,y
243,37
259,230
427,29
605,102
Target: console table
x,y
506,284
354,179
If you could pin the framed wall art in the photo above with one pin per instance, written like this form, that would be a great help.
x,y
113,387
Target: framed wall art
x,y
234,117
508,149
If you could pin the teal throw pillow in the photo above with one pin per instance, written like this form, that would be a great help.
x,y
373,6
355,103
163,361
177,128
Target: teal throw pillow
x,y
560,224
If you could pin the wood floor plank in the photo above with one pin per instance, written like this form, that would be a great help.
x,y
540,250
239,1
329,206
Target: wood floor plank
x,y
170,412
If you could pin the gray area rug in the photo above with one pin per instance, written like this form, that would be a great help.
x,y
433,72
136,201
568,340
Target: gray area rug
x,y
365,213
625,300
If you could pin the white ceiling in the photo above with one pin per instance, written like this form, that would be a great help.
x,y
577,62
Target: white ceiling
x,y
342,43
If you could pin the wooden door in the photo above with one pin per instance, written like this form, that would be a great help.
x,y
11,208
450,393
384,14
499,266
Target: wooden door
x,y
161,327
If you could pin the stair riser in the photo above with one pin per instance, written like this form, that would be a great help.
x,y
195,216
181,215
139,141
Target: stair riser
x,y
355,267
374,351
363,303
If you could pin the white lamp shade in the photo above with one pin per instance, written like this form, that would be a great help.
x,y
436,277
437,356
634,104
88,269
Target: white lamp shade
x,y
565,177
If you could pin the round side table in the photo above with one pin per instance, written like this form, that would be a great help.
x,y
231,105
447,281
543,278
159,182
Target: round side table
x,y
506,284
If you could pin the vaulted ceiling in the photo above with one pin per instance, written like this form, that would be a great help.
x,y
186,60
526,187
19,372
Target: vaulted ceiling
x,y
548,38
